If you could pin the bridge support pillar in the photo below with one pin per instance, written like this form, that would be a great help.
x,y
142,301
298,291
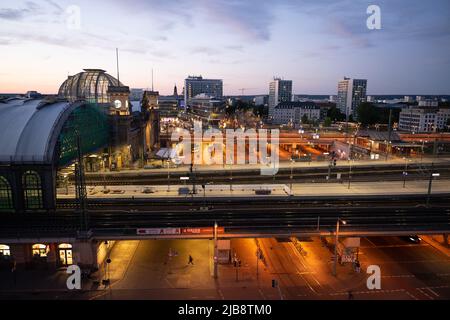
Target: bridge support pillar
x,y
445,238
85,254
91,254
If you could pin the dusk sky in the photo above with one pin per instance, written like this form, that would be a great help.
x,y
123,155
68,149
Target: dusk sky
x,y
245,43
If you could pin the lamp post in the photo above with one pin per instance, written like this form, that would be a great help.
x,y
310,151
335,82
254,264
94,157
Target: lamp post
x,y
405,173
349,174
168,175
216,258
336,244
292,175
432,175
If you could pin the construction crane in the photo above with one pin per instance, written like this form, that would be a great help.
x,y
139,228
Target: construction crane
x,y
242,90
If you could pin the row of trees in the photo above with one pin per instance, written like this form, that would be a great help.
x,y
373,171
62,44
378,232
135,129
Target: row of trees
x,y
367,113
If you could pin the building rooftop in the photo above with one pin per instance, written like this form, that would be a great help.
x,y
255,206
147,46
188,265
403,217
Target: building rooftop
x,y
27,129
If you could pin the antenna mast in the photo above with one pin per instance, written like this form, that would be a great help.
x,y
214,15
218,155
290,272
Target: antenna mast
x,y
117,61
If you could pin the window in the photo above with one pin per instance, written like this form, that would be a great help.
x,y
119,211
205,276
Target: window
x,y
5,194
5,252
40,250
65,254
32,189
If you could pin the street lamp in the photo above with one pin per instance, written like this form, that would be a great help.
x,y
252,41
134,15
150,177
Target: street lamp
x,y
336,244
405,173
216,258
168,175
432,175
349,174
292,174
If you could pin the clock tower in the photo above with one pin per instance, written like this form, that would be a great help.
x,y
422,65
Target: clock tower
x,y
118,99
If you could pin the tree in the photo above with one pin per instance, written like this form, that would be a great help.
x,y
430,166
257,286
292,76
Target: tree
x,y
335,114
304,119
327,122
367,114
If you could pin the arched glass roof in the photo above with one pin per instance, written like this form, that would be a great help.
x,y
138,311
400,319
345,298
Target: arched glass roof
x,y
90,85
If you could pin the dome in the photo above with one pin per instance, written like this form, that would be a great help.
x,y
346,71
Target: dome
x,y
90,85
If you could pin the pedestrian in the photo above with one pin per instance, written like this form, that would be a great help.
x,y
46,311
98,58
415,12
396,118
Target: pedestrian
x,y
13,272
350,295
191,260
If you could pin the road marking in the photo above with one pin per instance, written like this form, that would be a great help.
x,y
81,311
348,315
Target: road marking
x,y
435,287
425,294
433,292
400,276
373,244
411,295
396,246
368,292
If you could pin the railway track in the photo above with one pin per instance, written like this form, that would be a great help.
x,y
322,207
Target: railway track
x,y
358,173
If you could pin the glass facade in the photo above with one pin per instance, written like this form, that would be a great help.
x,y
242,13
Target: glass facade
x,y
91,123
5,194
90,85
32,189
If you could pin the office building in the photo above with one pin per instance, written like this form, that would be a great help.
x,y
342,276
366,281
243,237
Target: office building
x,y
279,91
351,92
194,86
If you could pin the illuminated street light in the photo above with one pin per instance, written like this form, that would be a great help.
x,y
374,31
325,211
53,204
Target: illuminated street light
x,y
432,175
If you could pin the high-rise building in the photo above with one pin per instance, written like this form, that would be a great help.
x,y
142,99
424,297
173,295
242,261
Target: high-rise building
x,y
351,92
279,91
194,86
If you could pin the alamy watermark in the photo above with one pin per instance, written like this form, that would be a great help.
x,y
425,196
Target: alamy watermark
x,y
374,280
74,280
73,17
373,22
262,146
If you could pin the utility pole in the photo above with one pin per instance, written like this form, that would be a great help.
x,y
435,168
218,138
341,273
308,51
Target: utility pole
x,y
336,245
194,191
216,252
292,176
81,193
168,175
349,174
432,175
389,134
405,173
231,178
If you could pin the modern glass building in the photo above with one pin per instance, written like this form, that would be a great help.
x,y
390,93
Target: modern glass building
x,y
194,86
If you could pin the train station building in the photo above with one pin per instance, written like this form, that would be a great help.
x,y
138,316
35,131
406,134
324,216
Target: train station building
x,y
41,138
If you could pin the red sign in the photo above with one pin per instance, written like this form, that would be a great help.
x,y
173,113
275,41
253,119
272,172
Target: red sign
x,y
207,230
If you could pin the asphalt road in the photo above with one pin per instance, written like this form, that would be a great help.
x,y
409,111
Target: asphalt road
x,y
417,270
